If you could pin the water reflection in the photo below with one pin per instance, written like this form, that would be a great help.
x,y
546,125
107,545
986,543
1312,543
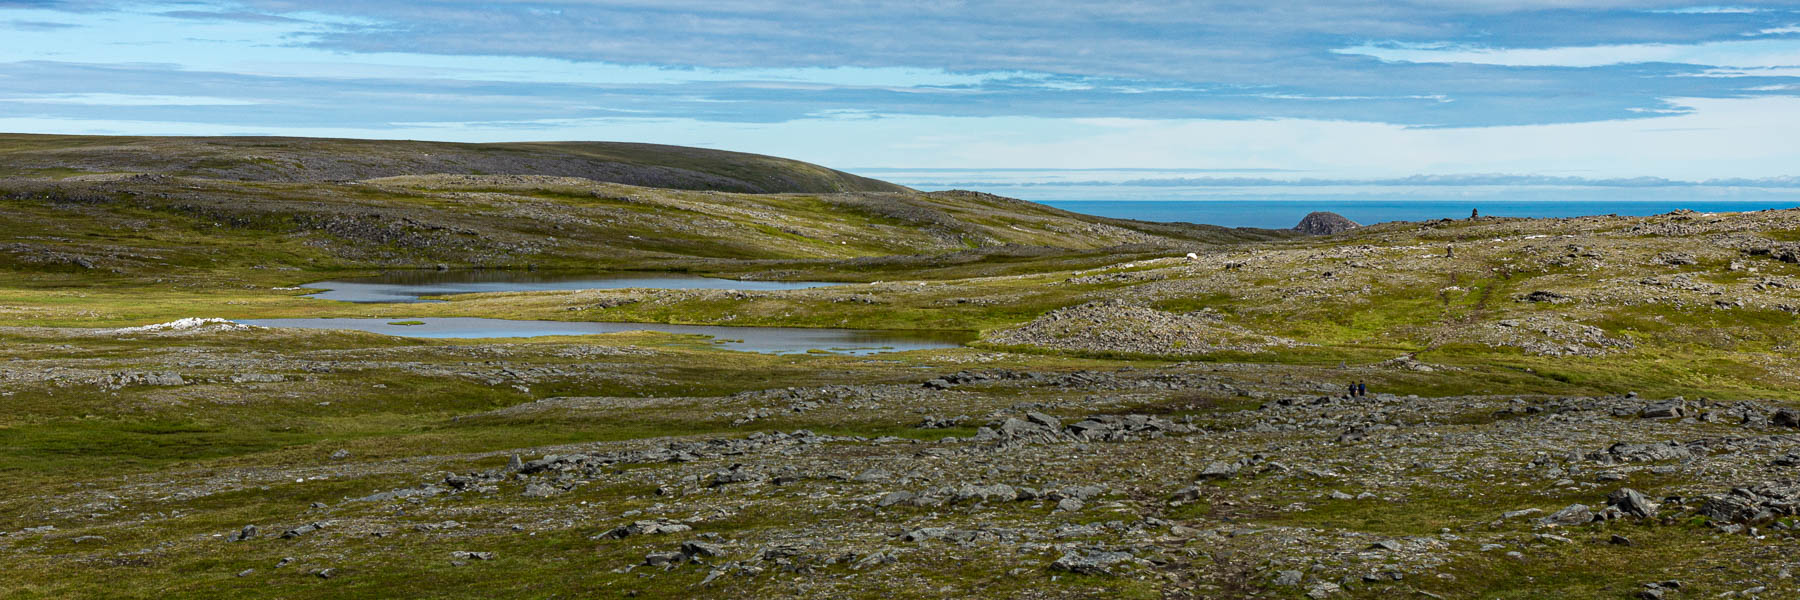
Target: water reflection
x,y
768,340
409,286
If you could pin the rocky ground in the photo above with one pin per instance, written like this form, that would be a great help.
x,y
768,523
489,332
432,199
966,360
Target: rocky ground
x,y
1050,479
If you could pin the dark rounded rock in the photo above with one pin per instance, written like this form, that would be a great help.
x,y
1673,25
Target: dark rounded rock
x,y
1325,223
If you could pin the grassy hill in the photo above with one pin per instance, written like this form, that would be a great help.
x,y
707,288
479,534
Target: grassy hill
x,y
312,160
162,207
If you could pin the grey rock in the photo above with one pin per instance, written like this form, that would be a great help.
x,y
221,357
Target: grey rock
x,y
245,534
873,476
1092,562
734,474
301,530
926,533
703,549
1667,409
998,491
1754,504
647,527
658,559
1632,503
541,490
1574,514
1514,514
1324,223
467,555
1219,470
1289,578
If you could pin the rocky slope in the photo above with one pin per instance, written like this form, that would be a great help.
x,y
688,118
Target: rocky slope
x,y
852,478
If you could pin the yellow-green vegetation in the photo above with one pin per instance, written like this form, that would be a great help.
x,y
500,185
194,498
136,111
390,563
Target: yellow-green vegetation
x,y
1133,421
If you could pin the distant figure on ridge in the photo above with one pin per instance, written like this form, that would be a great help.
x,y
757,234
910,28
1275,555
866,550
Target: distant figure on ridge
x,y
1474,213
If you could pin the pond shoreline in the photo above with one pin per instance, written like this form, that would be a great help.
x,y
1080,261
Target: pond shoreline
x,y
767,340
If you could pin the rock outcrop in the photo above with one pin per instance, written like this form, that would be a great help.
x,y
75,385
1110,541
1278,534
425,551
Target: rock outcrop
x,y
1325,223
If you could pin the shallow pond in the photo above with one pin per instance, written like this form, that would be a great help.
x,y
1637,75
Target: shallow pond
x,y
768,340
408,286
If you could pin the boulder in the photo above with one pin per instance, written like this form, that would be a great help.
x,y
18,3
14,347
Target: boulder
x,y
1667,409
1219,470
245,534
1092,562
1632,502
704,549
1324,223
301,530
1574,514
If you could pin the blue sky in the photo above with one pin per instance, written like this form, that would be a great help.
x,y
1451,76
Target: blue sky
x,y
1324,89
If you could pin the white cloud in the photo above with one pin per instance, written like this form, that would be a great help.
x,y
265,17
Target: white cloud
x,y
1710,10
1736,53
103,99
1719,138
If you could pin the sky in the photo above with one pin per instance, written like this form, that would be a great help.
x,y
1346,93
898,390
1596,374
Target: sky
x,y
1323,90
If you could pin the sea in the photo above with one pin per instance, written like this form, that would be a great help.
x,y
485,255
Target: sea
x,y
1279,200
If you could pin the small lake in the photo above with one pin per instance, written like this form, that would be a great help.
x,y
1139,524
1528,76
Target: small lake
x,y
767,340
409,286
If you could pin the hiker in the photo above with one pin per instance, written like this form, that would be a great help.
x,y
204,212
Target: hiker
x,y
1362,389
1352,393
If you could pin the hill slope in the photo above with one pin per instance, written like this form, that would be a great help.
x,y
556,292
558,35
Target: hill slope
x,y
276,159
155,225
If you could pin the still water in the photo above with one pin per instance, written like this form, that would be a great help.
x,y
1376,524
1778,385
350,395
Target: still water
x,y
409,286
768,340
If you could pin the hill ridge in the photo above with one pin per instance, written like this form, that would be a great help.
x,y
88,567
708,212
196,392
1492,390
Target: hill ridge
x,y
321,160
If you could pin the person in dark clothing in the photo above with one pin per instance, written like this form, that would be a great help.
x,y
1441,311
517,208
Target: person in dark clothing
x,y
1362,389
1352,393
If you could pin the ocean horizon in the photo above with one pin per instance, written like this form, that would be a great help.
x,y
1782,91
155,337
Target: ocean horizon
x,y
1264,198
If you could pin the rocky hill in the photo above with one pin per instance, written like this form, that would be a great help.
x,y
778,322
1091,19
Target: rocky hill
x,y
1324,223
